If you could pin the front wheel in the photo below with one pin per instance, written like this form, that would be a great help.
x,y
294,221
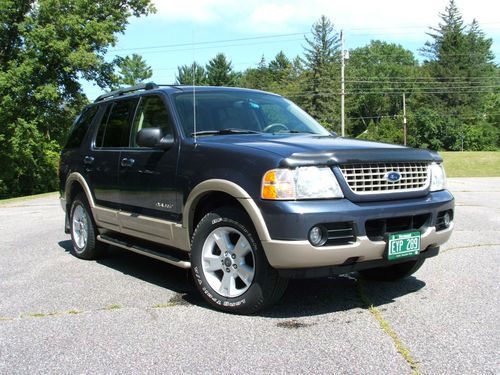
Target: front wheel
x,y
392,273
229,265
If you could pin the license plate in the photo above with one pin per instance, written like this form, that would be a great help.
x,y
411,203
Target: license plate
x,y
402,245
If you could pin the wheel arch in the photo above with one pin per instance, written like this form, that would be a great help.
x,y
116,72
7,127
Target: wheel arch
x,y
216,193
75,183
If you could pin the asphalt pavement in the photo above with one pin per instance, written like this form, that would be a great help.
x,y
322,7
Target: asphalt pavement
x,y
130,314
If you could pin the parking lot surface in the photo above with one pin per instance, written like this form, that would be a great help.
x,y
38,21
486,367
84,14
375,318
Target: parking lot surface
x,y
130,314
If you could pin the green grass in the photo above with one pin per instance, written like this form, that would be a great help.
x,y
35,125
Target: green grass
x,y
472,163
27,198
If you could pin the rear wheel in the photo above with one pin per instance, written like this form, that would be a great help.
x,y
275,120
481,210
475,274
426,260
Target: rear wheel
x,y
229,265
392,273
83,230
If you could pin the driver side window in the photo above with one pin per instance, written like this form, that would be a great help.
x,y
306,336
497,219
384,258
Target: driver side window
x,y
151,113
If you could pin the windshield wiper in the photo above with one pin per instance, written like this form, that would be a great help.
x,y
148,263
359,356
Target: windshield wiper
x,y
293,132
224,132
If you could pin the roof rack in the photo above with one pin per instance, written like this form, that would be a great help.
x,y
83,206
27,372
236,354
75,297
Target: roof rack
x,y
120,92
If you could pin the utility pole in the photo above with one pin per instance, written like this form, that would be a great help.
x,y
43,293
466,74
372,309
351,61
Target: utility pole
x,y
342,84
404,119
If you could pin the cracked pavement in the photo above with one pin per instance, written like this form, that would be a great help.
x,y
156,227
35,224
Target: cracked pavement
x,y
131,314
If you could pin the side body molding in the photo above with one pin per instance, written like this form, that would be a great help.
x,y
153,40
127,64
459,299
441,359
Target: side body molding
x,y
161,231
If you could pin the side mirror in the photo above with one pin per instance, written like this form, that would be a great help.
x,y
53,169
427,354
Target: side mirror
x,y
154,138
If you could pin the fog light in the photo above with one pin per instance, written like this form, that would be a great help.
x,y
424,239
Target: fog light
x,y
446,219
318,236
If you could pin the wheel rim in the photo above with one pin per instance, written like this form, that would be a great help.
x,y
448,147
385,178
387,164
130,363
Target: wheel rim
x,y
80,228
228,262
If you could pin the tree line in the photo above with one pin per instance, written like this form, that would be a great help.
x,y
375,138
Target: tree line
x,y
47,47
451,97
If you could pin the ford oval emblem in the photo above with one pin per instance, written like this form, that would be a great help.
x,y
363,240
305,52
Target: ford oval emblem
x,y
393,176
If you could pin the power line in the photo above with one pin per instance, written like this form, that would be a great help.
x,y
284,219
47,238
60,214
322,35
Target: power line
x,y
191,44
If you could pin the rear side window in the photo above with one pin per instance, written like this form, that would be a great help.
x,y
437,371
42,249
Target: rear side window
x,y
80,127
115,126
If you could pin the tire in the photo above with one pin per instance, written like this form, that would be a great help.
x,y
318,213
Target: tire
x,y
83,230
230,267
393,273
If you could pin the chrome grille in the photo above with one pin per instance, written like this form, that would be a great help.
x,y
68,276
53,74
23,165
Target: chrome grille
x,y
371,178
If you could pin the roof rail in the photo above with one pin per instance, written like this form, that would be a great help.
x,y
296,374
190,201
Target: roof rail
x,y
120,92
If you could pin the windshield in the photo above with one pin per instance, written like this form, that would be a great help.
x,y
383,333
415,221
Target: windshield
x,y
237,112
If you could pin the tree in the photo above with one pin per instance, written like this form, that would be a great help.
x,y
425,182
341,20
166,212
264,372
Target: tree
x,y
46,48
377,75
220,72
460,62
257,78
322,58
132,70
281,68
191,74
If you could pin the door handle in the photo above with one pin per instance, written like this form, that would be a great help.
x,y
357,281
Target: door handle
x,y
87,160
127,162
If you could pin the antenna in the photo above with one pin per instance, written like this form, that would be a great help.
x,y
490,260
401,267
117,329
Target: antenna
x,y
194,101
194,92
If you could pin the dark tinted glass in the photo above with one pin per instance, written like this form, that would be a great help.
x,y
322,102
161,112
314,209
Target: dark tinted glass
x,y
80,127
151,113
102,126
243,110
118,125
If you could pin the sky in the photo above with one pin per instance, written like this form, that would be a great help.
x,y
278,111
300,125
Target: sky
x,y
183,31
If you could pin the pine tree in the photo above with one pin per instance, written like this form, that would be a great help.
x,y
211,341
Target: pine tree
x,y
460,61
280,68
191,74
322,59
132,70
220,71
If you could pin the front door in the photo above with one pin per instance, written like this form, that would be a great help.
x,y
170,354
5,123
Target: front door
x,y
148,196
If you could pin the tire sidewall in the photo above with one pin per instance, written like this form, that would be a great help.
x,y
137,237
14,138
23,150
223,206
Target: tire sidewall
x,y
76,250
253,297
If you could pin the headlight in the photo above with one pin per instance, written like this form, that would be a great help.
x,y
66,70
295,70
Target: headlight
x,y
438,177
300,183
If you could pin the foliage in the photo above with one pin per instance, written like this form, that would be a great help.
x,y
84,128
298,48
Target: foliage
x,y
385,130
377,76
132,71
322,63
46,46
220,72
191,74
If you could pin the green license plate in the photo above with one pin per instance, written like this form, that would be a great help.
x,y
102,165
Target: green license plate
x,y
402,245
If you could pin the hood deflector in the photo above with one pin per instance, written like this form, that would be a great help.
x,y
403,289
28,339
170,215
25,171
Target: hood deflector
x,y
359,156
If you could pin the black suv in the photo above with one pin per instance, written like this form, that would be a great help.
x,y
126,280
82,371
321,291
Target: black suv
x,y
247,190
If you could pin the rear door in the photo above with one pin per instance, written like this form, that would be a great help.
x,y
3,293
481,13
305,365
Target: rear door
x,y
103,161
148,193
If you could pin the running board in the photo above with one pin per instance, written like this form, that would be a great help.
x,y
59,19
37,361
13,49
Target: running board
x,y
144,251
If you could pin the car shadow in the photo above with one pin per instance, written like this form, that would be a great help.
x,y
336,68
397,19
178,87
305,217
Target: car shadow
x,y
146,269
303,297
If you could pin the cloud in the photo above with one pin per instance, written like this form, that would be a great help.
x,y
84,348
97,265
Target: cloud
x,y
283,16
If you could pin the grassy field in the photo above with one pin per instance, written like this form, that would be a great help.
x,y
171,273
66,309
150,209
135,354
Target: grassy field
x,y
472,164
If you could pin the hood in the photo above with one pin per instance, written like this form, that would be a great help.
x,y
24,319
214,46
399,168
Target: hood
x,y
309,149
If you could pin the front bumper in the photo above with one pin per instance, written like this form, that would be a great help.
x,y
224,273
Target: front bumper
x,y
301,254
289,222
